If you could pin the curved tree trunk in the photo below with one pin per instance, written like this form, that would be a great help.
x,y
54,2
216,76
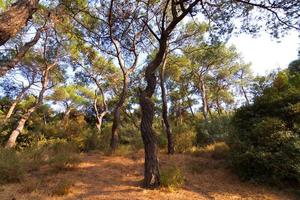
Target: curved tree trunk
x,y
151,170
117,117
15,133
11,109
103,112
15,18
13,136
165,109
15,102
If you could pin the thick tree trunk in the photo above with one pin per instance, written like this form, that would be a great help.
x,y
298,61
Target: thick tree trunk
x,y
117,117
151,170
165,109
15,18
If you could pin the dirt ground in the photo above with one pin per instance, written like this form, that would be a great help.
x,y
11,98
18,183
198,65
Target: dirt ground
x,y
117,177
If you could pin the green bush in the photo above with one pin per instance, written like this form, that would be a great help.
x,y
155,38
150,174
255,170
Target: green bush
x,y
217,129
265,144
184,138
171,177
62,155
34,157
11,168
220,150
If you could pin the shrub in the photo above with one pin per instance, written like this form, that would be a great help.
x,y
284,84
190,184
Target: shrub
x,y
184,138
217,129
171,177
62,155
220,150
34,157
265,145
11,169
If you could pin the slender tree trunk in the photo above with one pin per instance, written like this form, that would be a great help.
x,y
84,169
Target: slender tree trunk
x,y
100,115
13,136
131,119
165,109
245,95
204,99
65,118
11,110
190,107
15,133
15,18
117,117
219,107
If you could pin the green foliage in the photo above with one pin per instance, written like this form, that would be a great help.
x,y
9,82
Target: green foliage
x,y
184,138
11,168
172,177
62,155
265,145
220,150
217,129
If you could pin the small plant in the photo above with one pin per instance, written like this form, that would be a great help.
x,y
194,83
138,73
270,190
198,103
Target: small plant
x,y
34,157
62,155
172,178
184,137
11,169
62,188
220,150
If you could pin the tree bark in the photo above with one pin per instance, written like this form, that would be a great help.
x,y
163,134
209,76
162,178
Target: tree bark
x,y
15,18
117,117
21,53
165,109
103,112
203,98
15,133
245,95
151,170
11,109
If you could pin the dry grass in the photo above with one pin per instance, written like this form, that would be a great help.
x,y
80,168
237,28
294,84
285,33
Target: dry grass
x,y
100,177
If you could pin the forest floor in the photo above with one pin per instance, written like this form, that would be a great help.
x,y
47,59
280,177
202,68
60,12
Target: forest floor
x,y
105,177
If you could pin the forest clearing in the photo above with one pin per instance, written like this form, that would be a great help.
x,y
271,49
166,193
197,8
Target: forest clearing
x,y
120,177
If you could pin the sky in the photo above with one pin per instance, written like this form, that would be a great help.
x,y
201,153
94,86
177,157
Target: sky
x,y
266,53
